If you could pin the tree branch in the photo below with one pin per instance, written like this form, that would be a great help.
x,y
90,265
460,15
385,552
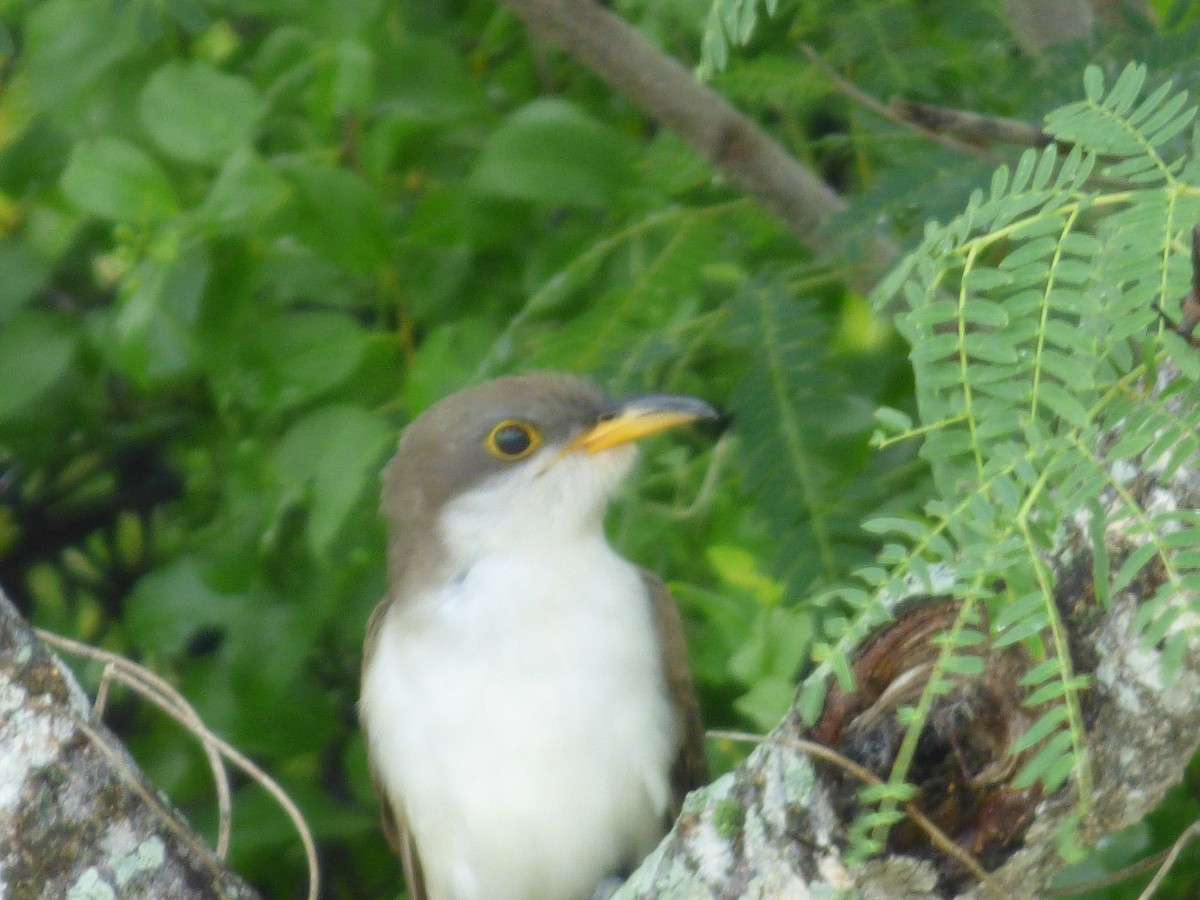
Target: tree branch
x,y
970,126
77,816
891,112
668,92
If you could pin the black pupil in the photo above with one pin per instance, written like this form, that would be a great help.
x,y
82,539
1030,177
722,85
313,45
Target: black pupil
x,y
512,440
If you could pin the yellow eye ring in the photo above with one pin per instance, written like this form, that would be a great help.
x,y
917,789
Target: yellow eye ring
x,y
511,440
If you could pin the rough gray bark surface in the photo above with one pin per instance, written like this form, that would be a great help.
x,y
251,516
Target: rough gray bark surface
x,y
768,828
78,819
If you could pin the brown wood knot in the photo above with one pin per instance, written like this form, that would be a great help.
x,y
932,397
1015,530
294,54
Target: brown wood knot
x,y
1189,306
962,768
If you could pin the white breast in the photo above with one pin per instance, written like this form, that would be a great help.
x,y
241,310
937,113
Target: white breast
x,y
519,716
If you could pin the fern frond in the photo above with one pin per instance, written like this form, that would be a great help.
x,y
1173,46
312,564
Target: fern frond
x,y
782,408
1036,349
1114,126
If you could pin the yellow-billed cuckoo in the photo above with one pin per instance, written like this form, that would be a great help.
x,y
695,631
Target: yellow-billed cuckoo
x,y
528,711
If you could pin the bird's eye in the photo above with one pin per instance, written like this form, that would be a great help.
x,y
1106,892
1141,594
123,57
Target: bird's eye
x,y
512,440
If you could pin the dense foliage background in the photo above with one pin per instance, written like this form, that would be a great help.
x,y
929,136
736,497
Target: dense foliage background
x,y
242,242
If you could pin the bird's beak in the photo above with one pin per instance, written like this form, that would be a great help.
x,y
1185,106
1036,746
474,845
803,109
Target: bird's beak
x,y
632,418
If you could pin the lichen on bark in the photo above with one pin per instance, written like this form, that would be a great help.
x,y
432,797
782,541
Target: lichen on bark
x,y
77,817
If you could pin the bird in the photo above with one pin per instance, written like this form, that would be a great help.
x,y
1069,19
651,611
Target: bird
x,y
530,720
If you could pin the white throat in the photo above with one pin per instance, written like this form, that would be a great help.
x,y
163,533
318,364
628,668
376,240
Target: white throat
x,y
549,499
518,712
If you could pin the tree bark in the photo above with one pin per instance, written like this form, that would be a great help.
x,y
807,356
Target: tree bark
x,y
78,819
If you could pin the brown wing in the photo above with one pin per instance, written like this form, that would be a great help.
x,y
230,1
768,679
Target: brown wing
x,y
691,768
391,817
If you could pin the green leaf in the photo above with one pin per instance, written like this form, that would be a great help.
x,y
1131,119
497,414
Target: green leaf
x,y
963,665
1045,167
338,215
714,49
155,325
989,348
893,420
69,43
874,793
114,179
981,279
1153,102
197,113
426,81
1024,628
767,701
739,568
979,311
334,454
1053,690
841,668
1063,404
304,354
169,606
1046,669
1125,91
25,272
882,818
1024,170
812,699
999,185
934,348
245,191
1067,369
353,65
1183,355
909,528
35,351
1133,564
1046,760
550,152
1047,723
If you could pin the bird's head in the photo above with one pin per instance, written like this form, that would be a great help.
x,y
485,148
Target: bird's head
x,y
515,459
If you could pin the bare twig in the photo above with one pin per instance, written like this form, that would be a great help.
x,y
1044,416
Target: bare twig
x,y
812,748
729,140
186,716
160,692
977,128
101,700
1095,884
971,126
1189,834
166,698
708,487
862,98
120,764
